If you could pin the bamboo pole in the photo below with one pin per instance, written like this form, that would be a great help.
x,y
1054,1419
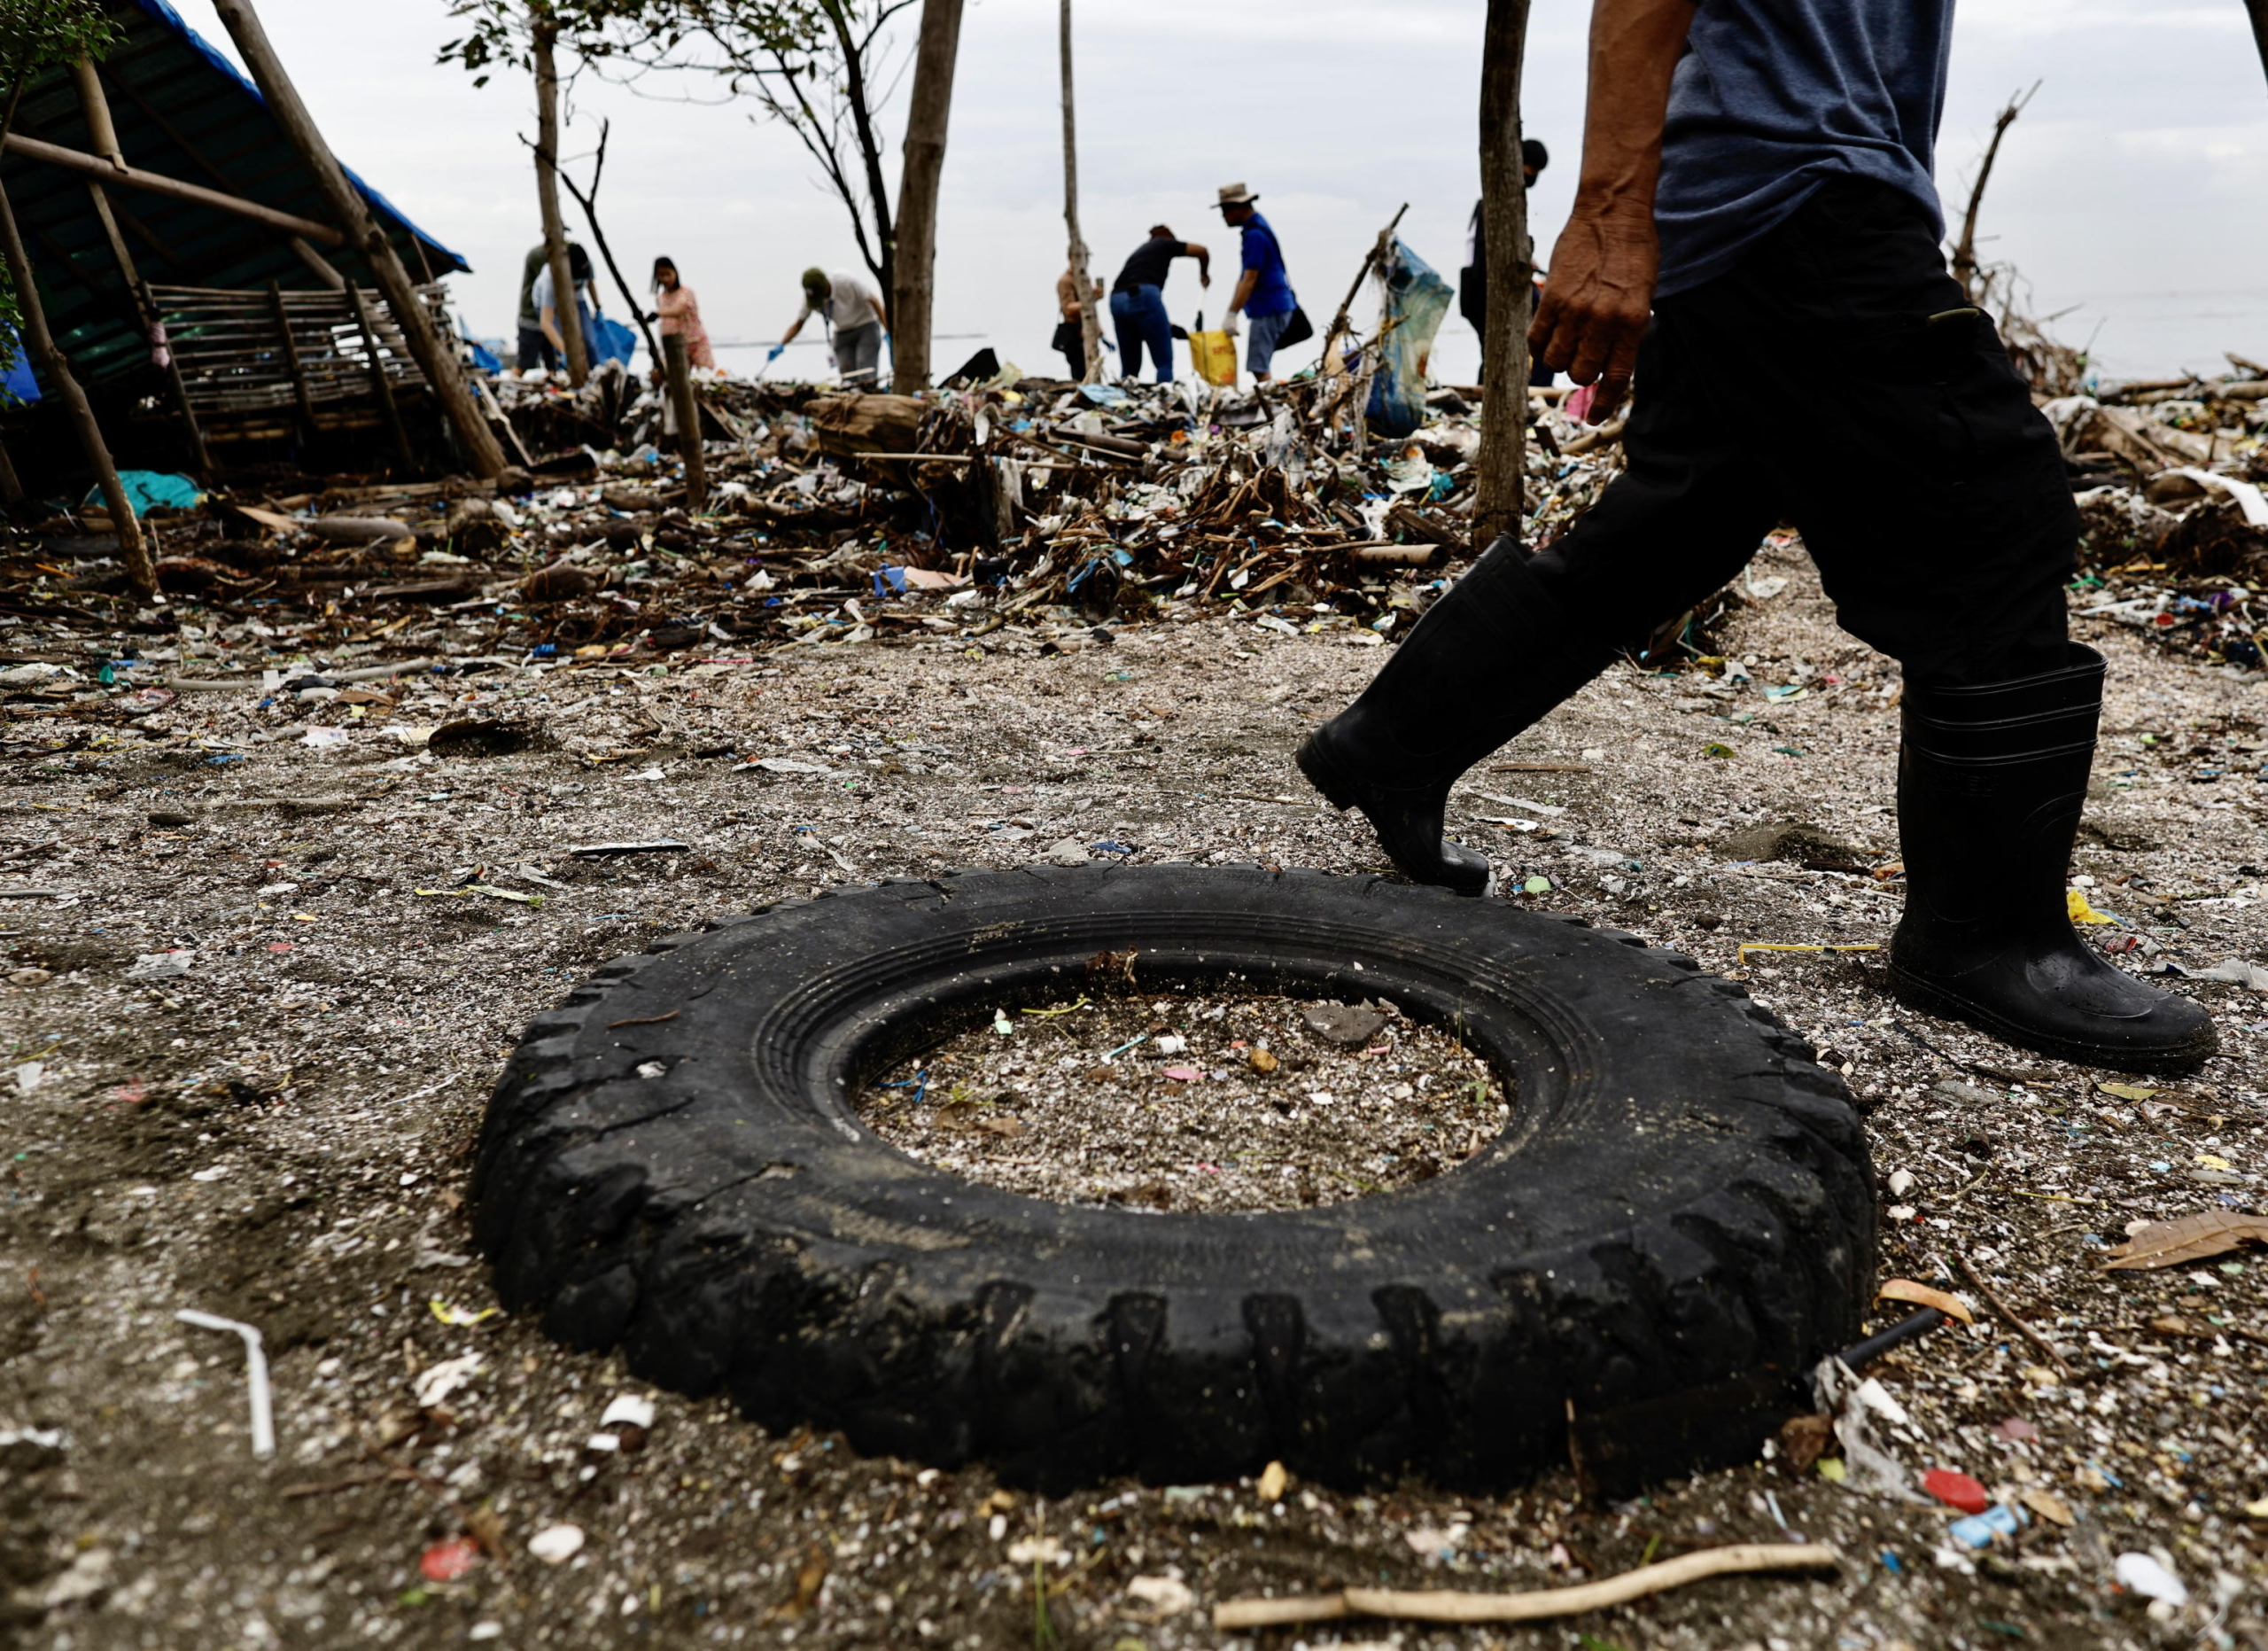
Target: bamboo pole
x,y
133,550
172,188
688,421
1499,505
100,129
380,386
288,348
1089,325
563,303
912,301
435,359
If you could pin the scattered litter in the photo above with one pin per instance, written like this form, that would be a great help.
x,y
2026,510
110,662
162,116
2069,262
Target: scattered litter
x,y
1922,1296
555,1545
1348,1027
1747,946
2143,1574
1161,1596
460,1318
1443,1605
437,1384
1981,1530
2190,1238
162,965
263,1414
657,846
1956,1490
448,1559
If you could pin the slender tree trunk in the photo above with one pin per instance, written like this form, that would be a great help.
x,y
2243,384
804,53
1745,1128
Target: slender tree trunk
x,y
688,421
2259,10
546,196
1499,499
132,549
911,298
435,358
1090,323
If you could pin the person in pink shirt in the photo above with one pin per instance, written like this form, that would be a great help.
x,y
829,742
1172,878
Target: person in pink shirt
x,y
679,312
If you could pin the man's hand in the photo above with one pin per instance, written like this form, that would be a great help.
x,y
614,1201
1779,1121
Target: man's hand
x,y
1601,288
1596,300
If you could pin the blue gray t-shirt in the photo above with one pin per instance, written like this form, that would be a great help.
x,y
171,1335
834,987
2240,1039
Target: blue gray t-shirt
x,y
1774,97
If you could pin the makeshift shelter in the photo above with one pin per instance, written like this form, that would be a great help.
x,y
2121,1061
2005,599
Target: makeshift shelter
x,y
156,189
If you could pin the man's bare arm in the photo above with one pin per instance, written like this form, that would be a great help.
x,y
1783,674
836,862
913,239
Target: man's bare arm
x,y
1601,288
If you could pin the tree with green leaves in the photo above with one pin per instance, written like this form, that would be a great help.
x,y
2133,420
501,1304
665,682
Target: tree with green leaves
x,y
36,35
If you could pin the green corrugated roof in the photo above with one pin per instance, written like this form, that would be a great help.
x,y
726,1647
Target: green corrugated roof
x,y
181,110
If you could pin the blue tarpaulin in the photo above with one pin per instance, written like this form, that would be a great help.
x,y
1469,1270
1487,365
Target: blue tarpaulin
x,y
17,385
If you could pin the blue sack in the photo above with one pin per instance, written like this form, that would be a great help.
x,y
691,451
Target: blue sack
x,y
611,341
1415,300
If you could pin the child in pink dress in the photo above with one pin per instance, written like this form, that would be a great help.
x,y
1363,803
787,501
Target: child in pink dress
x,y
680,313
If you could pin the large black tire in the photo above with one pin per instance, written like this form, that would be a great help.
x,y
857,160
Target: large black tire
x,y
1680,1197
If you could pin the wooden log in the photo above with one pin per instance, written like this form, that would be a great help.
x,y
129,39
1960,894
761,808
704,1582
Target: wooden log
x,y
854,425
1500,467
935,48
688,421
174,188
573,345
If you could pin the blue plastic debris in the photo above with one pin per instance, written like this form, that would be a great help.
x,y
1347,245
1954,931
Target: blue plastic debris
x,y
1978,1530
150,489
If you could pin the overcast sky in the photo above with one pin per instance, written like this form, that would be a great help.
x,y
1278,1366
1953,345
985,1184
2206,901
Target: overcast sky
x,y
2129,194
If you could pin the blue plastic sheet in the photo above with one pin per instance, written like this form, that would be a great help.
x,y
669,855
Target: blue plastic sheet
x,y
17,384
1417,299
611,341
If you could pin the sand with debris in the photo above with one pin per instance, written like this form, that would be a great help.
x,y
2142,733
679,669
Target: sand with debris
x,y
251,1039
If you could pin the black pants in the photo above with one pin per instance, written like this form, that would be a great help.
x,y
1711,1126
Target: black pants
x,y
1810,383
536,351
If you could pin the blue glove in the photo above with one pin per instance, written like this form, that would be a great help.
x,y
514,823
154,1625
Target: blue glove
x,y
778,350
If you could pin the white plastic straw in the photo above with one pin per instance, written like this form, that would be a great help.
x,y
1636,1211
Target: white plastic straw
x,y
263,1413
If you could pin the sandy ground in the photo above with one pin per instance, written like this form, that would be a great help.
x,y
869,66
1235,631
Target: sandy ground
x,y
278,1133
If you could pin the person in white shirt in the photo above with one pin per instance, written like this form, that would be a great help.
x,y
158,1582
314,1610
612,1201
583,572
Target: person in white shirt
x,y
855,312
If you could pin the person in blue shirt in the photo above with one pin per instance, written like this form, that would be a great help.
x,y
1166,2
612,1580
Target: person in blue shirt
x,y
1263,293
1757,243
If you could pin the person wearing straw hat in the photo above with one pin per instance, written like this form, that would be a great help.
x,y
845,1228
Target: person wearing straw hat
x,y
854,311
1264,294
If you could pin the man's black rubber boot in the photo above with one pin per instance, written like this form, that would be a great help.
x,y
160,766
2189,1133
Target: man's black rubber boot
x,y
1489,658
1990,783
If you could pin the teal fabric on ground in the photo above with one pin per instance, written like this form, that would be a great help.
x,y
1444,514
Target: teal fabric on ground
x,y
153,489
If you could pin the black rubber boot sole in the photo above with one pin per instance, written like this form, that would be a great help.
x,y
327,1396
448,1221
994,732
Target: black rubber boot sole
x,y
1918,992
1474,877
